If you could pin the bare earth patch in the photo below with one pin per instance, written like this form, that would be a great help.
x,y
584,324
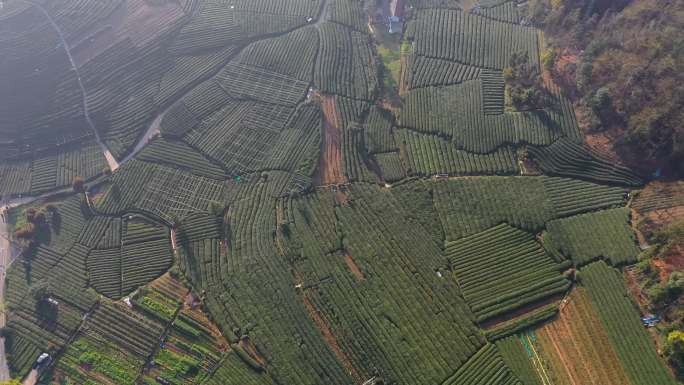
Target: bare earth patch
x,y
330,162
353,267
578,347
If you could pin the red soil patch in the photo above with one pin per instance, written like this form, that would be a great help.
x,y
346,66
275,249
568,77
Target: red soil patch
x,y
664,217
330,161
137,20
673,261
341,197
353,267
578,348
635,289
603,142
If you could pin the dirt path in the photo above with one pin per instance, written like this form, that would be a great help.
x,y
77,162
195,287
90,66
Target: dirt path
x,y
330,161
331,340
353,267
321,15
31,378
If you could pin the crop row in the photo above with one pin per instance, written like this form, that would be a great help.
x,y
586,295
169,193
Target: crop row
x,y
469,205
427,71
293,54
378,131
458,112
502,269
345,64
483,368
430,154
390,166
633,344
568,158
605,234
384,292
472,39
256,294
247,82
507,12
241,135
659,196
517,356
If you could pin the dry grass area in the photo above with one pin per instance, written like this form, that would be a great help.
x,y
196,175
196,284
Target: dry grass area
x,y
577,348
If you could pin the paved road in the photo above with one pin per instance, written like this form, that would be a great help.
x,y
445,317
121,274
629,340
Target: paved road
x,y
5,257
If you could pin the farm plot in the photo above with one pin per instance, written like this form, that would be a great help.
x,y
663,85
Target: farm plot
x,y
345,64
298,145
241,81
354,157
241,134
517,355
188,69
15,178
349,13
567,158
632,343
55,267
112,347
192,347
471,39
191,351
426,71
292,55
378,131
51,170
233,371
217,24
144,254
36,326
416,197
604,234
255,293
384,292
506,11
484,367
390,166
502,269
181,156
458,112
577,348
168,193
658,195
427,154
469,205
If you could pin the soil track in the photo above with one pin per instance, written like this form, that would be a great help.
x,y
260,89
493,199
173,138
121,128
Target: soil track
x,y
330,161
331,341
578,348
353,267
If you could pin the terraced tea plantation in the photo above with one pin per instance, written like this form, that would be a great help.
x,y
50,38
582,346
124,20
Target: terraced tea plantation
x,y
231,193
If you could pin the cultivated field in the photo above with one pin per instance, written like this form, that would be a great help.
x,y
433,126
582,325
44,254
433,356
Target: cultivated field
x,y
232,192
